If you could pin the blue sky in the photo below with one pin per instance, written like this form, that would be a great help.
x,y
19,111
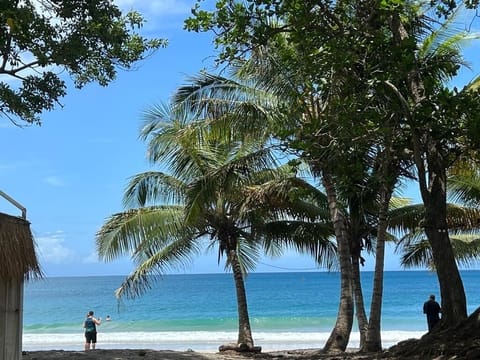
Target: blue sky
x,y
70,173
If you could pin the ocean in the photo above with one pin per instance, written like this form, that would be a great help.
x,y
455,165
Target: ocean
x,y
198,312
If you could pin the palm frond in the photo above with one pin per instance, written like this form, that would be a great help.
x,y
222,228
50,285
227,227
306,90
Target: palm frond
x,y
442,48
399,202
288,195
123,233
248,254
474,84
152,264
314,239
442,35
228,176
152,188
416,251
406,218
417,254
462,218
464,186
467,249
230,108
166,244
175,142
155,119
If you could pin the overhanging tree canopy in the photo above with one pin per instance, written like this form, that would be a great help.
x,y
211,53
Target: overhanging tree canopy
x,y
40,40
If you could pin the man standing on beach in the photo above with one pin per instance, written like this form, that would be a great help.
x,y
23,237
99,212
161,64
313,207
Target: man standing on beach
x,y
432,309
90,325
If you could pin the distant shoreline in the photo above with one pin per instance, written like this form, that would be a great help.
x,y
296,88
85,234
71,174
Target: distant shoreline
x,y
253,272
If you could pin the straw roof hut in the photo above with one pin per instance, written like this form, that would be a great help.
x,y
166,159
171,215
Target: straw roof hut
x,y
18,262
18,259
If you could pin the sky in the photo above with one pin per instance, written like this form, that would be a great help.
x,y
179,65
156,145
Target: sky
x,y
70,173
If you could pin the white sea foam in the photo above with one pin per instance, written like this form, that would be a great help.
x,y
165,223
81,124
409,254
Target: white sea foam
x,y
206,341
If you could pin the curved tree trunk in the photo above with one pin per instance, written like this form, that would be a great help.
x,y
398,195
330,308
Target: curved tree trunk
x,y
452,292
340,334
245,339
357,228
431,164
359,302
374,338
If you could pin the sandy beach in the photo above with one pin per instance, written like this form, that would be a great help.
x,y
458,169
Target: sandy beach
x,y
137,354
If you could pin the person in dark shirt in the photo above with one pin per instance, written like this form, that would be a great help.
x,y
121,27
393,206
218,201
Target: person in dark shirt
x,y
90,325
432,309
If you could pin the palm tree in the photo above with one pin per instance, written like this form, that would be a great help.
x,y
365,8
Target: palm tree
x,y
440,119
349,200
463,219
275,112
437,63
173,213
255,106
206,198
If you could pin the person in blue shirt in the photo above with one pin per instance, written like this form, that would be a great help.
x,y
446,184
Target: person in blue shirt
x,y
432,309
90,325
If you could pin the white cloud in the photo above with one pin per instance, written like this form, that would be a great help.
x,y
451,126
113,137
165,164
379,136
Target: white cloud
x,y
156,7
91,259
168,7
54,181
51,248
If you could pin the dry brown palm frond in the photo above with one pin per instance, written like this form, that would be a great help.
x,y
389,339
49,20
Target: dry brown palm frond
x,y
17,257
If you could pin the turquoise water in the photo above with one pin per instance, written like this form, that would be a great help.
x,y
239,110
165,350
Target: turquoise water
x,y
287,310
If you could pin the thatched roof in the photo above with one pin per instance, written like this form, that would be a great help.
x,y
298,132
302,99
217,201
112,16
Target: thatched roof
x,y
17,255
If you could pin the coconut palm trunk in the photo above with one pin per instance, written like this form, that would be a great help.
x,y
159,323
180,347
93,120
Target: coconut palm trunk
x,y
245,339
357,228
360,313
451,285
374,340
431,168
340,335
